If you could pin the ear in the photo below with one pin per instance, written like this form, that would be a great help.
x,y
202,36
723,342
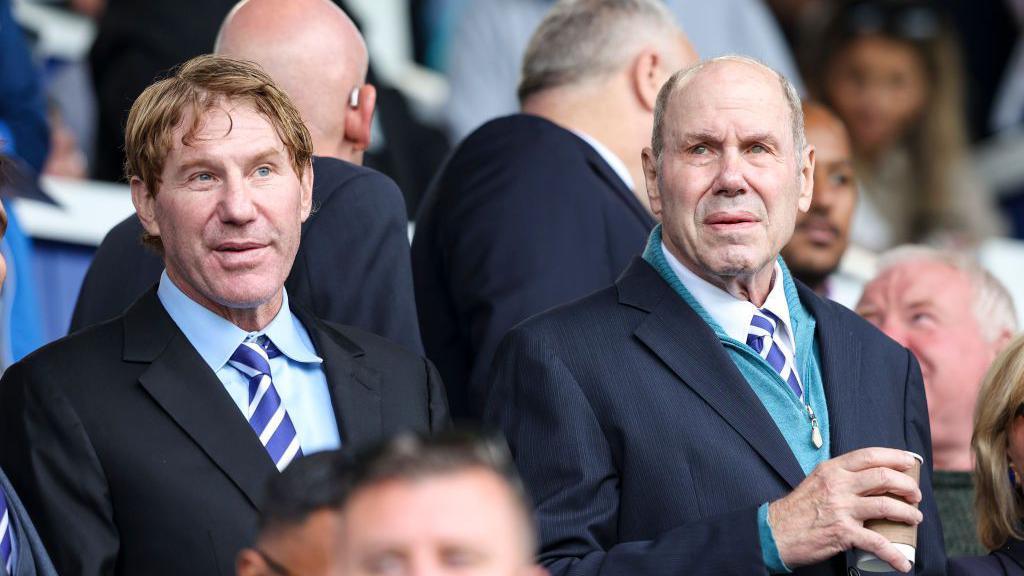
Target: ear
x,y
145,206
648,74
651,179
249,563
306,191
806,178
359,118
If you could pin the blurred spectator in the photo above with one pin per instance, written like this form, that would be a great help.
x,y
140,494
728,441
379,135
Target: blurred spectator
x,y
822,233
23,129
490,38
66,158
449,505
537,209
955,317
21,551
300,519
998,445
891,70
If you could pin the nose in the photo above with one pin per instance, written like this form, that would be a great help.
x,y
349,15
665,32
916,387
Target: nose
x,y
894,329
236,204
731,181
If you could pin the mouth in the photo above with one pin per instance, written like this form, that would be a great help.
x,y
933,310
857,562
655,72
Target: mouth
x,y
819,231
239,253
731,221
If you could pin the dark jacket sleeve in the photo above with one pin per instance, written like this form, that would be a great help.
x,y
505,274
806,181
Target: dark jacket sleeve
x,y
120,272
566,461
931,552
22,107
356,267
50,460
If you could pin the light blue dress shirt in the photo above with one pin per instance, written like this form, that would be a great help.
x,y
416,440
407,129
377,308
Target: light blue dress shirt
x,y
297,373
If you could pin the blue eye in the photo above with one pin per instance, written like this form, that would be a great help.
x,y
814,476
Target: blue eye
x,y
758,149
263,171
204,177
699,149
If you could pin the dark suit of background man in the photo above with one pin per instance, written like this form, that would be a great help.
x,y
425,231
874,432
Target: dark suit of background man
x,y
539,208
21,551
353,263
707,414
140,445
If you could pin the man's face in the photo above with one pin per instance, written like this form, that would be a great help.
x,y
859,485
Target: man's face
x,y
229,210
730,181
304,550
927,307
822,233
461,523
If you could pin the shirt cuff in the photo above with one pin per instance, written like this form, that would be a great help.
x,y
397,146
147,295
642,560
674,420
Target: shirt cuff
x,y
769,551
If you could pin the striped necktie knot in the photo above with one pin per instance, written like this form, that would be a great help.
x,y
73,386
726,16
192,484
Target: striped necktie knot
x,y
762,337
266,414
6,537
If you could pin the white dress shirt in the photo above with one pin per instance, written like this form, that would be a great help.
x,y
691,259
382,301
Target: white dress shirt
x,y
611,158
734,315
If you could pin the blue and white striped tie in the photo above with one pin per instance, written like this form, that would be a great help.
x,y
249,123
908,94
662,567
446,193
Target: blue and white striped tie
x,y
266,413
6,537
762,338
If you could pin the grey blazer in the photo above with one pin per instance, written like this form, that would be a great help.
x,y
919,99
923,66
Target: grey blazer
x,y
32,559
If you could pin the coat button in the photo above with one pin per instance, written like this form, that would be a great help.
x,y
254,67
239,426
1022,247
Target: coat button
x,y
853,572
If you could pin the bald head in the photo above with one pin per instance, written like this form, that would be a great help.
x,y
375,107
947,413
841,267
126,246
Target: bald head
x,y
312,50
725,66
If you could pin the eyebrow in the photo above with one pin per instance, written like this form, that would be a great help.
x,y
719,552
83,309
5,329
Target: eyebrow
x,y
205,162
709,136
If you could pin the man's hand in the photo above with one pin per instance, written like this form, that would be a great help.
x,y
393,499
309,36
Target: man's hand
x,y
825,514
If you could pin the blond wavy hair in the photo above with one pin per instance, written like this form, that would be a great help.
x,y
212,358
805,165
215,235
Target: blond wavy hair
x,y
998,507
194,88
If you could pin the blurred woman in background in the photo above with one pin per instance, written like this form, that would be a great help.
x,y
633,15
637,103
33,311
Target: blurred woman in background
x,y
998,444
891,70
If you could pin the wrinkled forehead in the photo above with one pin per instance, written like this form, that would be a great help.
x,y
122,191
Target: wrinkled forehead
x,y
729,96
919,282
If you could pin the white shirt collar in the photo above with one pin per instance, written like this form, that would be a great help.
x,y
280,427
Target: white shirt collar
x,y
731,313
612,159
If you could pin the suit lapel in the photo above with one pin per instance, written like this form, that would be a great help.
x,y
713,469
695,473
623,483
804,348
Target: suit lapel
x,y
354,387
605,172
688,346
840,371
191,394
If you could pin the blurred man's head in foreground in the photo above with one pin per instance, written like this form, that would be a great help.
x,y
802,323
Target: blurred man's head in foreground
x,y
449,505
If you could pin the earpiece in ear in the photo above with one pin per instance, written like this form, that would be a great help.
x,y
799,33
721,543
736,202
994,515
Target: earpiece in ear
x,y
353,98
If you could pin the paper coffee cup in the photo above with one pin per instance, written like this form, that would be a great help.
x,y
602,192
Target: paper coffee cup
x,y
903,536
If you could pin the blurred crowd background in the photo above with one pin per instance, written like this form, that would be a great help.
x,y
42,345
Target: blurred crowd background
x,y
932,94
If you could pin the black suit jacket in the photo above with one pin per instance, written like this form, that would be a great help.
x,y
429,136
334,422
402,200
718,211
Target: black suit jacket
x,y
646,451
132,458
352,266
524,216
1007,560
31,555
